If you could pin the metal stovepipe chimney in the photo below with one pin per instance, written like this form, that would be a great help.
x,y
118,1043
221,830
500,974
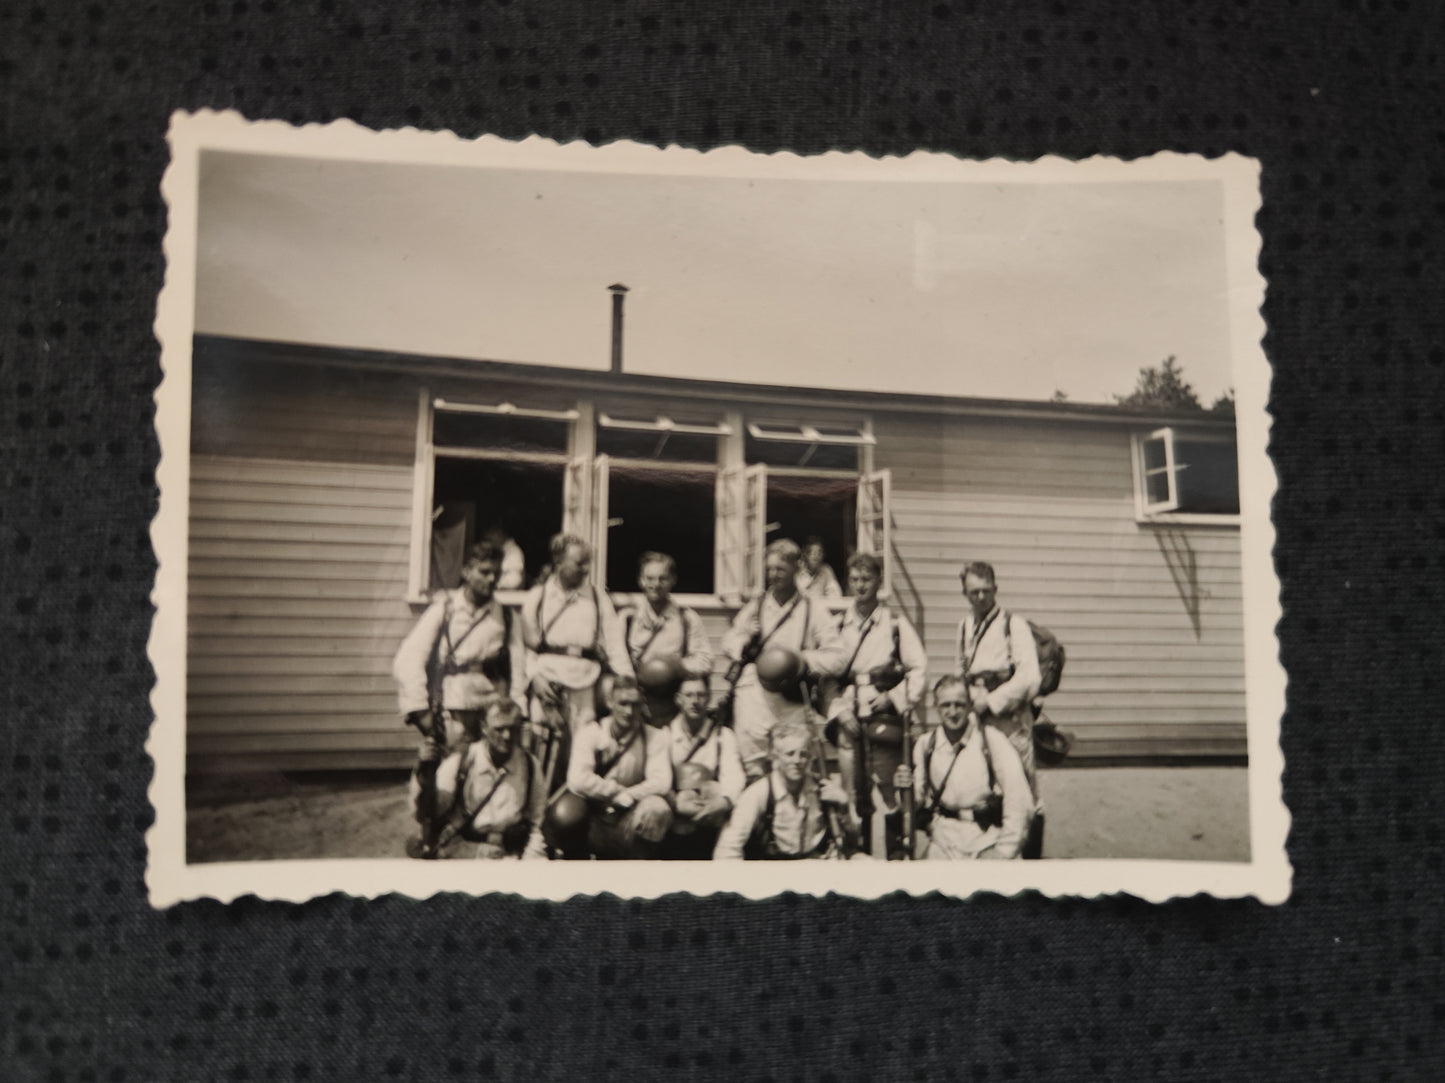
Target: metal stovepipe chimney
x,y
619,292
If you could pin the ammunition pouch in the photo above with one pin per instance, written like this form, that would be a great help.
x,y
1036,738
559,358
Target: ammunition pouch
x,y
988,812
888,676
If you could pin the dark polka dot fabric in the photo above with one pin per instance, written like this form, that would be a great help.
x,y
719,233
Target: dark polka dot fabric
x,y
1341,100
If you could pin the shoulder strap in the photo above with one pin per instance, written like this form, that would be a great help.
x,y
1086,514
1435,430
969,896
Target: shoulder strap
x,y
937,792
987,757
897,647
978,634
701,739
603,766
792,606
862,637
1008,639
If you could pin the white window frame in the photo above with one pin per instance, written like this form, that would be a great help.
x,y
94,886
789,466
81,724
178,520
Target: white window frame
x,y
740,505
424,473
1165,512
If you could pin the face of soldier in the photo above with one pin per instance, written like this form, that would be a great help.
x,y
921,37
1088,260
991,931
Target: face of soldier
x,y
501,734
953,708
572,568
980,593
692,700
863,585
790,757
813,558
656,583
480,579
781,575
626,706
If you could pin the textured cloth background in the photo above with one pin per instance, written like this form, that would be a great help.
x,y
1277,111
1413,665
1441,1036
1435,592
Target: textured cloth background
x,y
1342,101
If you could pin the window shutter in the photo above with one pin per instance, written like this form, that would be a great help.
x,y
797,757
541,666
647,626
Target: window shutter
x,y
874,520
577,497
1158,472
599,520
729,554
755,526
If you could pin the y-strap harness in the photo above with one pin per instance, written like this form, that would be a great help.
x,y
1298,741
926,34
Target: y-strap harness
x,y
935,793
656,631
494,666
769,850
543,647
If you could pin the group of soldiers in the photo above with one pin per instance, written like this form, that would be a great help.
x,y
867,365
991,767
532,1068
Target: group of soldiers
x,y
565,730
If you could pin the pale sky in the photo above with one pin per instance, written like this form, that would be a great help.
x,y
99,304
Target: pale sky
x,y
1000,290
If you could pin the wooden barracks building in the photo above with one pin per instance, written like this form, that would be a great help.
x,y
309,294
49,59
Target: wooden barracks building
x,y
333,489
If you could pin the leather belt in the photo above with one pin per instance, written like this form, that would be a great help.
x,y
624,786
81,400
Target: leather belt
x,y
589,653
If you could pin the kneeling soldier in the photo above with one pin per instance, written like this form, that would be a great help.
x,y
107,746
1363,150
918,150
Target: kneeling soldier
x,y
782,816
493,794
614,804
707,775
464,653
969,784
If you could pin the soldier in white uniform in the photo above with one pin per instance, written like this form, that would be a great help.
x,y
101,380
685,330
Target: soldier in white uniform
x,y
707,775
660,630
885,677
780,617
784,815
572,636
462,655
969,785
998,660
492,793
618,777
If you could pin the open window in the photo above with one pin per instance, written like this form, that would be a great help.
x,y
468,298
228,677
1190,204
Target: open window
x,y
486,466
655,488
1182,474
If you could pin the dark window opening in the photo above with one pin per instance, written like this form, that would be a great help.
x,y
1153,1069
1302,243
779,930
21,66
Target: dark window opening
x,y
498,432
823,507
1206,476
522,499
667,511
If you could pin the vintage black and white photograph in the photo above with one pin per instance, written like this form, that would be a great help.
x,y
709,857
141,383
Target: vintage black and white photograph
x,y
556,519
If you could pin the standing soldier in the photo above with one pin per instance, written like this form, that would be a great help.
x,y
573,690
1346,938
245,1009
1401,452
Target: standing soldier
x,y
968,783
707,775
618,776
783,816
1000,663
572,633
791,627
885,677
464,653
666,642
494,790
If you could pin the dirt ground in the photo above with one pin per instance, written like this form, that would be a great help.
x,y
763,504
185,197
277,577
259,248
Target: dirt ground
x,y
1177,813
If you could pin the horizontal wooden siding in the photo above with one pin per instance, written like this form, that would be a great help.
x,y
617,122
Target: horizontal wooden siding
x,y
1151,617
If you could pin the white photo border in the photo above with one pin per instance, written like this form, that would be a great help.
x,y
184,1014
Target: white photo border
x,y
1265,876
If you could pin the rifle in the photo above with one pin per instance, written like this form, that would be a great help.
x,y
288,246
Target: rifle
x,y
722,711
839,846
905,799
430,723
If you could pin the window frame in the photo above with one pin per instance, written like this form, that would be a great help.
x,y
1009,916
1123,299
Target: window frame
x,y
740,487
1166,513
